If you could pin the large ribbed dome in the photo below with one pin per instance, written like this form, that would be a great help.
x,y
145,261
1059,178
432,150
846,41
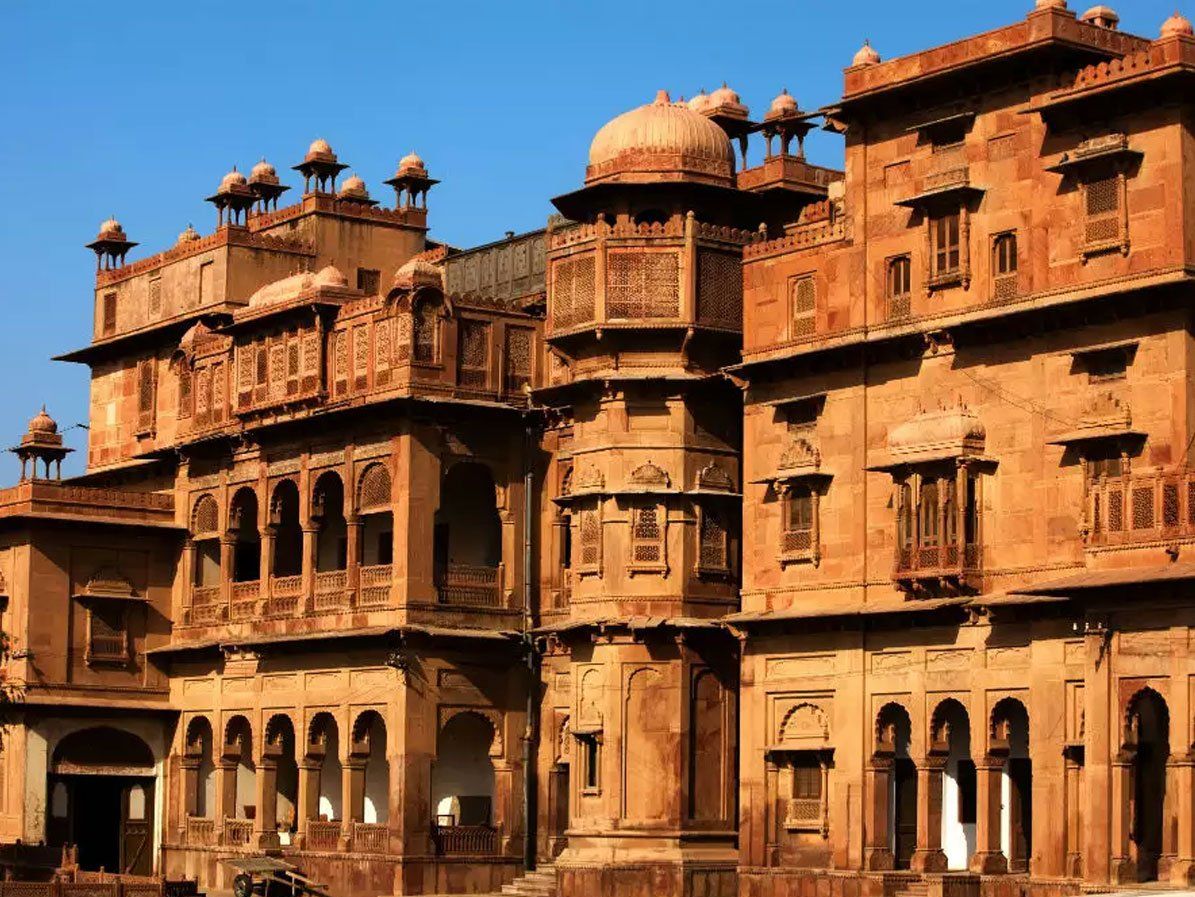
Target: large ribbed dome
x,y
662,141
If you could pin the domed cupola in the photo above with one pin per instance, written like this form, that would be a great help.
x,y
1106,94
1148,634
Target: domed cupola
x,y
110,245
1177,25
411,183
41,442
232,199
264,182
866,55
320,167
353,190
661,141
784,119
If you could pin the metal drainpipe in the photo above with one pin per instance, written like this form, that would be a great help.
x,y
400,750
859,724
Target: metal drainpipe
x,y
531,732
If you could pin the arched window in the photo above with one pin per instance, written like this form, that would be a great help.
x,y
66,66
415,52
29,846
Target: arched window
x,y
327,510
205,525
369,743
323,748
467,547
280,749
377,521
246,558
288,533
463,774
899,286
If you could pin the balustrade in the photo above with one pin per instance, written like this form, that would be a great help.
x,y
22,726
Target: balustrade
x,y
1139,508
469,585
481,840
371,837
200,831
237,832
323,834
375,585
330,589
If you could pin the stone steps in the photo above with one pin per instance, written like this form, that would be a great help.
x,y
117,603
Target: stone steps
x,y
540,883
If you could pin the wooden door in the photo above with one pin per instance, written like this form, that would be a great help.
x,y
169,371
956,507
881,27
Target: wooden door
x,y
905,812
1020,814
136,827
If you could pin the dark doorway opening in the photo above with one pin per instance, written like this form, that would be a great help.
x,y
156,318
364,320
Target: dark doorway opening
x,y
1150,725
109,818
905,805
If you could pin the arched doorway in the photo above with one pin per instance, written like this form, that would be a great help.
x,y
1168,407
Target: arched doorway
x,y
327,510
369,745
463,774
246,555
894,732
951,738
1010,735
323,749
278,758
200,756
1149,739
101,798
288,532
467,548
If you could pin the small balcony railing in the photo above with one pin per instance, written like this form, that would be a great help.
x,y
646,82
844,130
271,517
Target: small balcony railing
x,y
200,831
237,832
330,589
323,834
375,585
473,840
1141,508
371,837
285,592
951,559
470,585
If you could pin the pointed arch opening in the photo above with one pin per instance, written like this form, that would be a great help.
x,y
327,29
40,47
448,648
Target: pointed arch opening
x,y
369,744
463,774
1010,740
894,732
323,749
238,750
950,737
1147,740
467,551
327,511
279,751
288,532
200,751
246,553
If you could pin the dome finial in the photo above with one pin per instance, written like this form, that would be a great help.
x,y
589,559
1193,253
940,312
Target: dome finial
x,y
866,55
662,97
1177,25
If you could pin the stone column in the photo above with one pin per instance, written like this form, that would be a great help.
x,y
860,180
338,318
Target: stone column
x,y
928,857
266,567
1123,868
352,798
310,545
266,824
988,858
771,800
1169,855
308,808
190,767
227,547
226,792
1073,810
353,527
508,805
1183,871
877,855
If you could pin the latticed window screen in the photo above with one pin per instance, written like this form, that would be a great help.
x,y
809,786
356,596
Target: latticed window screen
x,y
369,280
218,396
473,353
375,488
798,521
108,324
642,285
1115,511
361,356
900,287
155,297
206,516
590,541
1191,503
383,352
573,291
311,360
245,369
1170,511
425,324
719,290
647,535
713,548
108,632
277,370
945,233
184,389
262,374
518,357
402,341
1102,199
145,389
928,506
1143,507
1004,266
203,395
803,307
292,366
340,360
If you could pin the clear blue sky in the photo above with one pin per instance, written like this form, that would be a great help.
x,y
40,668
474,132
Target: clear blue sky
x,y
137,109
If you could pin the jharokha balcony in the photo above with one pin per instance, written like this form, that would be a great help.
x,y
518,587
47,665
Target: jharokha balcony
x,y
470,585
1138,509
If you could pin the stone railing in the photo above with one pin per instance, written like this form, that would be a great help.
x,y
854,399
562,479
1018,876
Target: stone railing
x,y
330,589
469,585
949,559
477,840
1141,508
246,591
237,832
200,831
323,834
375,585
201,595
371,837
285,592
245,596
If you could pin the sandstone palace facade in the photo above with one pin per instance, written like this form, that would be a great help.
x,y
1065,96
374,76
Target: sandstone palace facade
x,y
756,528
